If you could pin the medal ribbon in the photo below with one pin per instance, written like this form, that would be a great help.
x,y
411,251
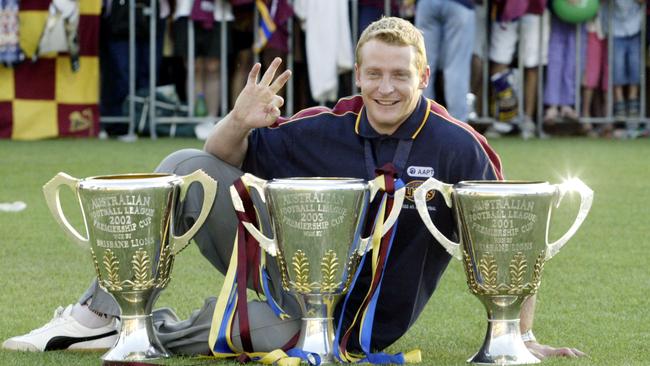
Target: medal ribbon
x,y
245,260
364,317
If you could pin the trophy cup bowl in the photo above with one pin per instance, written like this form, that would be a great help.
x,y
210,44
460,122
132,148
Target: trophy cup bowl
x,y
129,221
317,244
503,228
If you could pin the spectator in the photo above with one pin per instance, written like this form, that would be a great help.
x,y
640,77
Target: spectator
x,y
479,56
596,71
559,90
114,55
627,16
531,17
448,28
206,16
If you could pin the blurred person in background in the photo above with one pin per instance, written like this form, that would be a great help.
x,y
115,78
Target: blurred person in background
x,y
559,90
626,19
525,19
596,75
114,55
206,16
448,28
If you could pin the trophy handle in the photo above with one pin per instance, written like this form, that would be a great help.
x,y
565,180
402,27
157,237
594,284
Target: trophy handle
x,y
209,193
398,201
586,199
51,191
420,194
250,180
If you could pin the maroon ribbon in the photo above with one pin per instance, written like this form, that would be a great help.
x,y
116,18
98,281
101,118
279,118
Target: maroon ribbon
x,y
247,258
389,172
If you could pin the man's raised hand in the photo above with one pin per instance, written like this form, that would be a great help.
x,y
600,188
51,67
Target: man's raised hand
x,y
258,104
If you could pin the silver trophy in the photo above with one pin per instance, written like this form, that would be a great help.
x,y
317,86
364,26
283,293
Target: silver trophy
x,y
317,243
129,221
504,244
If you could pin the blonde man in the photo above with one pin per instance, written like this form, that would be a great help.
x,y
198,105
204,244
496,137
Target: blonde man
x,y
389,123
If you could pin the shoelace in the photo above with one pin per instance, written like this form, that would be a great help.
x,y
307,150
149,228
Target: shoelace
x,y
56,319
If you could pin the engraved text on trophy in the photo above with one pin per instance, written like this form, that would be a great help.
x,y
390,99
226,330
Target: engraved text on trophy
x,y
503,243
121,217
122,224
313,213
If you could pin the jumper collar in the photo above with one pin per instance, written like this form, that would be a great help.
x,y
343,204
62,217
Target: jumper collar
x,y
409,129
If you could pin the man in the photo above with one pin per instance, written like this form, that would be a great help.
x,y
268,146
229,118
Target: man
x,y
391,122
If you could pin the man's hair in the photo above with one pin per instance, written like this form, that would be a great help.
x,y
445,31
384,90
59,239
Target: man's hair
x,y
398,32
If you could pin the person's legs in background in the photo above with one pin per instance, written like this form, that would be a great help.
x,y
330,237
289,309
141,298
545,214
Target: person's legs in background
x,y
568,91
207,73
114,66
620,79
478,57
554,80
502,45
534,53
457,30
633,67
559,90
595,75
211,85
428,18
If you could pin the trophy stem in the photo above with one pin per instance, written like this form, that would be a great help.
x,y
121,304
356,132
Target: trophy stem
x,y
317,329
137,341
503,345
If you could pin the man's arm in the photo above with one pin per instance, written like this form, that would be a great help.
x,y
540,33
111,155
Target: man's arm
x,y
541,351
258,105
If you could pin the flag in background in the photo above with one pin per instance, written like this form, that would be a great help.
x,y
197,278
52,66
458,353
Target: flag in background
x,y
266,25
46,98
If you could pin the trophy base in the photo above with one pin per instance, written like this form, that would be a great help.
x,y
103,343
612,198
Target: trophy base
x,y
137,342
503,346
317,328
316,336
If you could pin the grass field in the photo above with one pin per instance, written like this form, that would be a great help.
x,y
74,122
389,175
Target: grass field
x,y
594,293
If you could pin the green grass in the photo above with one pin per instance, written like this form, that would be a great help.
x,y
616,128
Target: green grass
x,y
594,294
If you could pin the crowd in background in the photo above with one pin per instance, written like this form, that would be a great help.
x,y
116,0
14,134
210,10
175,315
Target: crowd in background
x,y
461,37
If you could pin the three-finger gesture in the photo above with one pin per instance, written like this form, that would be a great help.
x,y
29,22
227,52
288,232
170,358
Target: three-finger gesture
x,y
258,104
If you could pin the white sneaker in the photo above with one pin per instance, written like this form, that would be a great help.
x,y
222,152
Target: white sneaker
x,y
203,130
527,128
64,332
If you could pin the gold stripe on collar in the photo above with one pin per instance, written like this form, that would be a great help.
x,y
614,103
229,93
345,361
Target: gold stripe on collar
x,y
424,120
358,121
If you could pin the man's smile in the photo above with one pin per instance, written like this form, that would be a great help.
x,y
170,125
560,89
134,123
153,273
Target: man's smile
x,y
387,103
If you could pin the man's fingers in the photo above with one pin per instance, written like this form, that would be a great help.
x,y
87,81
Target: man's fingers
x,y
579,352
569,352
269,74
574,352
280,81
566,352
252,75
277,101
272,113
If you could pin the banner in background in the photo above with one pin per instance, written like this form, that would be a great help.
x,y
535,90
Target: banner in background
x,y
45,98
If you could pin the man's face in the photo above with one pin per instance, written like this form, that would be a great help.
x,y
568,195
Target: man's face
x,y
390,83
